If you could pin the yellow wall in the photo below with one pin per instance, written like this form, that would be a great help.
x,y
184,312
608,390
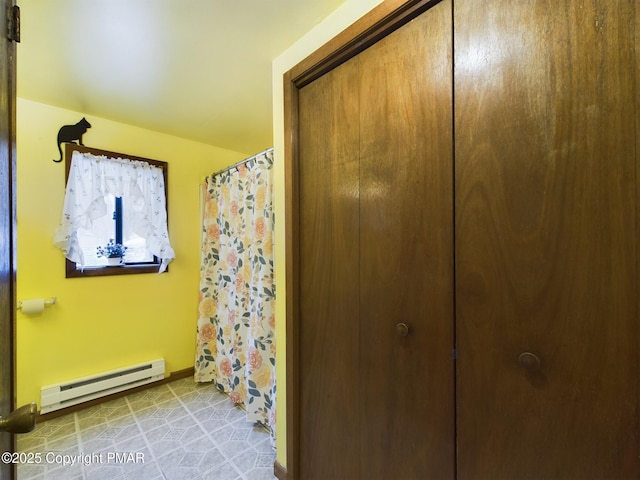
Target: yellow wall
x,y
103,323
344,16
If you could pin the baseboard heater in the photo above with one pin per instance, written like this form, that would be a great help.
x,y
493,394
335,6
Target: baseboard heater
x,y
73,392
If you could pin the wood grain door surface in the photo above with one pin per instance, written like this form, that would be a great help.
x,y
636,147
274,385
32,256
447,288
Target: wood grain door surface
x,y
469,182
7,233
546,210
376,261
406,252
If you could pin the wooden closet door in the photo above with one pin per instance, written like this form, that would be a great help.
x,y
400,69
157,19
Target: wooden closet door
x,y
406,252
329,322
376,261
546,239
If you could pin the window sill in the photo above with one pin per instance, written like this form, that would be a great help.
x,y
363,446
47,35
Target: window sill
x,y
73,272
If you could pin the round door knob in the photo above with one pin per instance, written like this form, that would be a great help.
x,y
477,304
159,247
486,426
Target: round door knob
x,y
402,329
529,361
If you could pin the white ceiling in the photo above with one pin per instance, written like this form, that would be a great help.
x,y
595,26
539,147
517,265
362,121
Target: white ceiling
x,y
197,69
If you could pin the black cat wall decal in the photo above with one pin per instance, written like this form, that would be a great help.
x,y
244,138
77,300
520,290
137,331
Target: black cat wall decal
x,y
71,133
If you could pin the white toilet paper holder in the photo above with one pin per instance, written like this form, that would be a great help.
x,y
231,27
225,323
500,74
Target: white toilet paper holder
x,y
47,303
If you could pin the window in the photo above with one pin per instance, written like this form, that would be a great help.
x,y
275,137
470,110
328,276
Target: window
x,y
115,228
112,197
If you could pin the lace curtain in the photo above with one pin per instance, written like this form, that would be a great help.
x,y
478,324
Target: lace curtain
x,y
91,179
236,325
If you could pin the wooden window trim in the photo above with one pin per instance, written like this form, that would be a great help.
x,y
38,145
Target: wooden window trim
x,y
70,267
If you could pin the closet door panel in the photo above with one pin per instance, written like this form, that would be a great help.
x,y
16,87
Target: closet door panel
x,y
406,244
329,276
545,193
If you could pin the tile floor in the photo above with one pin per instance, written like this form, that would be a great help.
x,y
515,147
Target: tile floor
x,y
179,430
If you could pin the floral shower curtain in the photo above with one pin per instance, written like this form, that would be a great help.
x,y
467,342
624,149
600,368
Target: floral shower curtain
x,y
236,326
